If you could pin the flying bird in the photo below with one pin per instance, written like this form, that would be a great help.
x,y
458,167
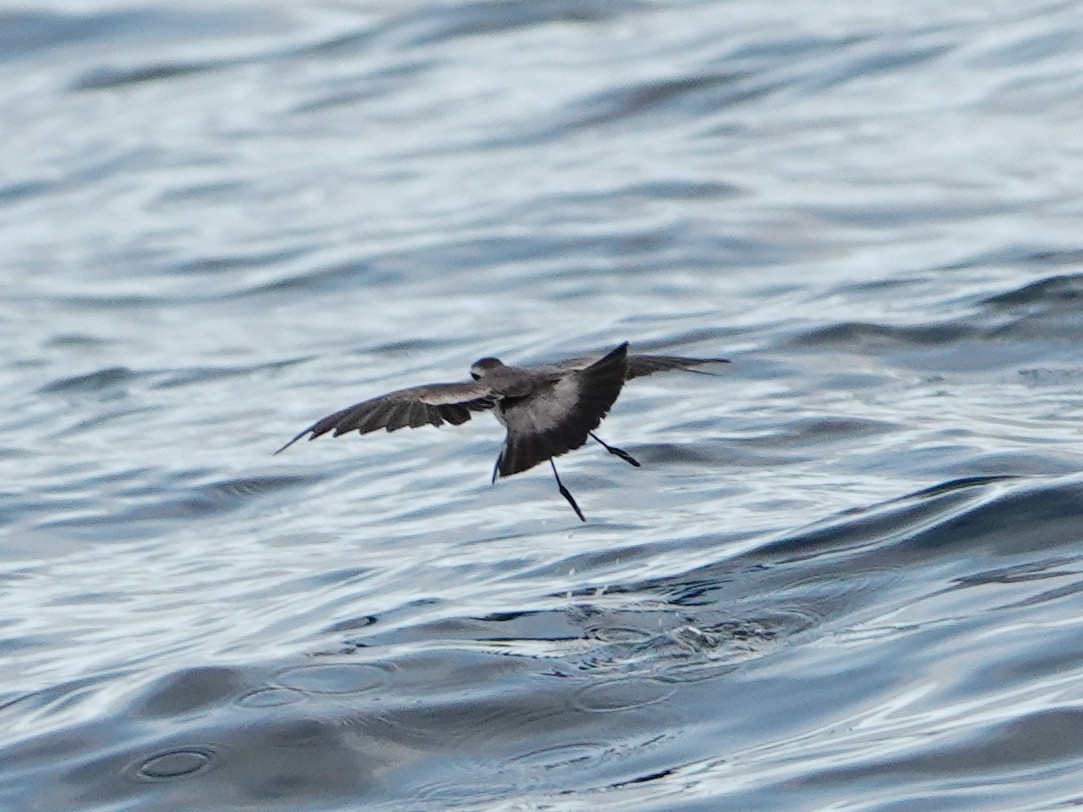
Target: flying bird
x,y
547,410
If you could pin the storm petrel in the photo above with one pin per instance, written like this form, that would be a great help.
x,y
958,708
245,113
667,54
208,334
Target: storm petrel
x,y
548,410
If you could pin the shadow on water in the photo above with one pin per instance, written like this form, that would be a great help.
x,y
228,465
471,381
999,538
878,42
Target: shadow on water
x,y
602,689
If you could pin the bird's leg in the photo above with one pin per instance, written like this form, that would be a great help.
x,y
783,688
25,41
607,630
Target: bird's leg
x,y
620,452
566,493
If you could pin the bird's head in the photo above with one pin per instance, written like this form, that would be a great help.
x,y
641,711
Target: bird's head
x,y
483,365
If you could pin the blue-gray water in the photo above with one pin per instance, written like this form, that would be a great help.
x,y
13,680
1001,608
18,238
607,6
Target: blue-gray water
x,y
848,576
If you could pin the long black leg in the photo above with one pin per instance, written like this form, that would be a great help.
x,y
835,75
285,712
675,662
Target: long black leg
x,y
620,452
566,493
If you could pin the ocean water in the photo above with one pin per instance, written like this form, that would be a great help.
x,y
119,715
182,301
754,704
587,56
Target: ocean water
x,y
848,575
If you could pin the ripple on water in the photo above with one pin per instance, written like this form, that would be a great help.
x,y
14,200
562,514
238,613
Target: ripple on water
x,y
463,789
182,762
334,678
613,695
676,643
561,756
272,697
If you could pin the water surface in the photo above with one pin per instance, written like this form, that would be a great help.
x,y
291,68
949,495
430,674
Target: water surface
x,y
847,576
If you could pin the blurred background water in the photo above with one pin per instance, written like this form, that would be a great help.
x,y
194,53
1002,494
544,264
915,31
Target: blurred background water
x,y
848,575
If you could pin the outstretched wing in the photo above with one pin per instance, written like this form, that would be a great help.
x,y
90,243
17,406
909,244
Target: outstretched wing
x,y
640,365
559,416
431,405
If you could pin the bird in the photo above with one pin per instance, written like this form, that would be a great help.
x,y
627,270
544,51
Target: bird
x,y
548,410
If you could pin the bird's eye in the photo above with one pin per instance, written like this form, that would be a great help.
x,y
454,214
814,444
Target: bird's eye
x,y
475,376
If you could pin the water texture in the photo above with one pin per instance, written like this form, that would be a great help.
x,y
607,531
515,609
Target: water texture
x,y
848,575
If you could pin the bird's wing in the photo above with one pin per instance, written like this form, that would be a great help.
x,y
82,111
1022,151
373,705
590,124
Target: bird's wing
x,y
559,415
640,365
434,404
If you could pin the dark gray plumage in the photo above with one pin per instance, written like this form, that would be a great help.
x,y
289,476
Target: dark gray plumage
x,y
548,410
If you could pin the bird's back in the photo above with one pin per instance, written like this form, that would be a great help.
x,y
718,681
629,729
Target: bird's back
x,y
560,410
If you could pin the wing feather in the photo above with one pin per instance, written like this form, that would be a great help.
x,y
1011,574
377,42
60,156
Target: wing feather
x,y
433,405
638,365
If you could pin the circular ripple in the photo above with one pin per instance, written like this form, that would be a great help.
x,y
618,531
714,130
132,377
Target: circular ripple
x,y
333,678
170,765
457,791
623,694
270,697
618,634
561,755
